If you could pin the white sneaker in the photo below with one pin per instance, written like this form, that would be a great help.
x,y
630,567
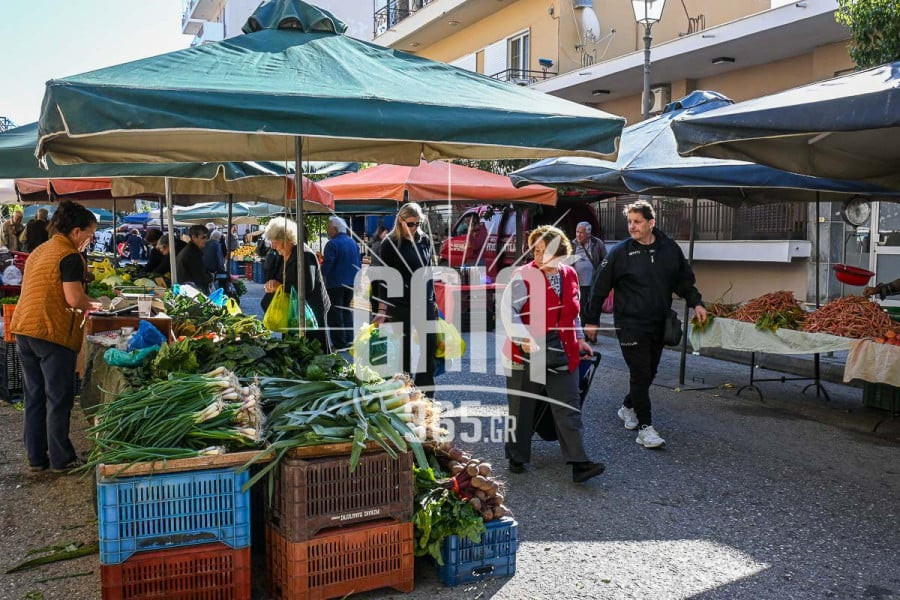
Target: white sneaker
x,y
648,438
629,416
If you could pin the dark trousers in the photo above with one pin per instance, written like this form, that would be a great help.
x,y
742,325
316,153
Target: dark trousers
x,y
585,298
562,388
641,353
340,317
424,378
49,373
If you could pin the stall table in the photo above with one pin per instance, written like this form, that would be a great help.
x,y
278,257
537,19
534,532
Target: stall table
x,y
745,337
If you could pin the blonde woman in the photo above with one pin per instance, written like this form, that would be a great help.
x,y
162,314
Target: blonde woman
x,y
407,249
544,300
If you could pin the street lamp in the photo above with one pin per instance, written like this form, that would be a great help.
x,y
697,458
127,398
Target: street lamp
x,y
647,13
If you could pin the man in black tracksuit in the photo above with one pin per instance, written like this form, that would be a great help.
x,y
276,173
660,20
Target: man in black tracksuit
x,y
644,271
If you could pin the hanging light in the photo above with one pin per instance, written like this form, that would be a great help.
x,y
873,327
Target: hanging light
x,y
648,12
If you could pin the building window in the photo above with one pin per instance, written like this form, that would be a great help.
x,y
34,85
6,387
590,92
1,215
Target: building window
x,y
518,56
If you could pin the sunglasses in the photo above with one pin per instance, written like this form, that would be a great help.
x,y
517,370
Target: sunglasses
x,y
412,224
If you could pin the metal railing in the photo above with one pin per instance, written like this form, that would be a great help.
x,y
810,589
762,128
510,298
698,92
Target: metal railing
x,y
523,76
395,11
715,221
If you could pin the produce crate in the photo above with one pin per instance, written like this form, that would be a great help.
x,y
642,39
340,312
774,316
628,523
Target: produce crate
x,y
157,512
210,571
881,396
313,495
236,267
8,310
11,378
494,556
357,559
248,271
259,273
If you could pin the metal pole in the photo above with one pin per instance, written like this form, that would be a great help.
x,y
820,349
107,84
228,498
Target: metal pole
x,y
817,366
301,254
171,223
645,105
684,341
228,236
115,254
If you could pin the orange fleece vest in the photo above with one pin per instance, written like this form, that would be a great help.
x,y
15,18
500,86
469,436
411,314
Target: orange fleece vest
x,y
42,311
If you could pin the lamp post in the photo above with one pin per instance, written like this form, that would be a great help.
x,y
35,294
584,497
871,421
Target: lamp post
x,y
647,13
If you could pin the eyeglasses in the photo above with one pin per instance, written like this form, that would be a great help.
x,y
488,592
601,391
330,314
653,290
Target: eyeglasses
x,y
412,224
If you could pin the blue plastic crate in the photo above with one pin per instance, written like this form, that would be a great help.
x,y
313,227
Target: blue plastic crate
x,y
170,510
494,556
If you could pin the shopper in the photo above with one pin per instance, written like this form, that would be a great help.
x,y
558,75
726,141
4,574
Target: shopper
x,y
10,232
135,244
589,252
341,264
48,326
644,272
282,235
542,298
189,265
406,249
36,230
214,260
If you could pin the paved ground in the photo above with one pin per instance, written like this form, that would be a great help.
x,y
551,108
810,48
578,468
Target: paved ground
x,y
791,498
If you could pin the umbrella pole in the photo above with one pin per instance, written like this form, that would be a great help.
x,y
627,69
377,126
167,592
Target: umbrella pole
x,y
301,253
683,361
171,223
228,236
116,254
816,358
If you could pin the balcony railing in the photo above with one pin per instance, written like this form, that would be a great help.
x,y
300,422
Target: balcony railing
x,y
394,12
523,76
715,221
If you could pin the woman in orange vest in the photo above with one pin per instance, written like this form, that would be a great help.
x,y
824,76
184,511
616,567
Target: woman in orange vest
x,y
48,326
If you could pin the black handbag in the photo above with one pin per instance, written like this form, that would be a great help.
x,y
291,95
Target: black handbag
x,y
672,332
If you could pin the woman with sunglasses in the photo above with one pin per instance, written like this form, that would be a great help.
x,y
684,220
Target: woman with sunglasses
x,y
407,249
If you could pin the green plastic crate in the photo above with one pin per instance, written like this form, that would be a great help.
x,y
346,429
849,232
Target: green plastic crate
x,y
881,396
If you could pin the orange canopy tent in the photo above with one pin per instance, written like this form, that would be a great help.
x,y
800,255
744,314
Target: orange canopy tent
x,y
97,187
433,182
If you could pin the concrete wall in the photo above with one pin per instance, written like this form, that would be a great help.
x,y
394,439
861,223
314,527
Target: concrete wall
x,y
749,280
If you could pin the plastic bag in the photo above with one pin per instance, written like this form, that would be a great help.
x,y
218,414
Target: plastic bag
x,y
120,358
450,343
293,310
146,336
103,269
378,345
233,308
608,303
276,317
218,297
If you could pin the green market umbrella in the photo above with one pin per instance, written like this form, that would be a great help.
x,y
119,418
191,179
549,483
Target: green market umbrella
x,y
294,87
243,213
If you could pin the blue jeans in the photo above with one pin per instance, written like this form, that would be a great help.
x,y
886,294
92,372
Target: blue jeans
x,y
49,373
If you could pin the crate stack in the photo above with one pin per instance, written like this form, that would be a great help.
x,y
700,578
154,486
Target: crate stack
x,y
178,536
330,532
469,562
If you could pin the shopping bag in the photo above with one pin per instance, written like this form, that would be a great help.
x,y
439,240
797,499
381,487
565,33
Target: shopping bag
x,y
233,308
276,317
120,358
608,303
450,344
218,297
146,336
378,345
293,321
103,269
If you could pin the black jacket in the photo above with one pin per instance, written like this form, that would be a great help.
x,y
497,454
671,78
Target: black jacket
x,y
406,257
287,276
190,268
644,279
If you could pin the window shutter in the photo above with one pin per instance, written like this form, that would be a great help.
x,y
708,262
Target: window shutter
x,y
495,58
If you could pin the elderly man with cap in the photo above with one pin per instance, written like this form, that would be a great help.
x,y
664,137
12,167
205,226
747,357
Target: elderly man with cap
x,y
588,252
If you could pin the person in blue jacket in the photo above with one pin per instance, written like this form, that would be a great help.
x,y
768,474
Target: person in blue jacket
x,y
342,262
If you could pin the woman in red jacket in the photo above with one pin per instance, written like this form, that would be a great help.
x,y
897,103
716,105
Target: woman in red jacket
x,y
545,345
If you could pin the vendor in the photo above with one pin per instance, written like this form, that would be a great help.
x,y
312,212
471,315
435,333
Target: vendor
x,y
48,326
282,235
883,289
161,272
189,266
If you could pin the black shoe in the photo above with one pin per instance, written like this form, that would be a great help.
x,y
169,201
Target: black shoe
x,y
583,471
38,468
516,467
69,468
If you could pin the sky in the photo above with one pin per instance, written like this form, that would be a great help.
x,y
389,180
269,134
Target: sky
x,y
47,39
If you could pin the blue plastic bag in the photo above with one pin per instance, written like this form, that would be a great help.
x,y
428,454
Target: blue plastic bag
x,y
218,297
120,358
146,335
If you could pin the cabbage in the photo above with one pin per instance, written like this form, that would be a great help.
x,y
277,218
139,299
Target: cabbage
x,y
113,280
144,282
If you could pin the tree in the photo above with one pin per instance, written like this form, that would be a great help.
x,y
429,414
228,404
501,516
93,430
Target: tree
x,y
874,30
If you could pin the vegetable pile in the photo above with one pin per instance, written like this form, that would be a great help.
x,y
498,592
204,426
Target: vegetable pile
x,y
191,317
440,513
772,311
472,481
853,317
181,417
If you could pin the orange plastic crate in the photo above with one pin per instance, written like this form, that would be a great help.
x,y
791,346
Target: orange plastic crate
x,y
313,495
207,572
8,310
357,559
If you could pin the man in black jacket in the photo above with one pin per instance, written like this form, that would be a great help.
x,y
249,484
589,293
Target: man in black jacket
x,y
644,271
189,263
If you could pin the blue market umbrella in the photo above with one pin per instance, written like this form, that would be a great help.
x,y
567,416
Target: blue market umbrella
x,y
846,127
649,163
